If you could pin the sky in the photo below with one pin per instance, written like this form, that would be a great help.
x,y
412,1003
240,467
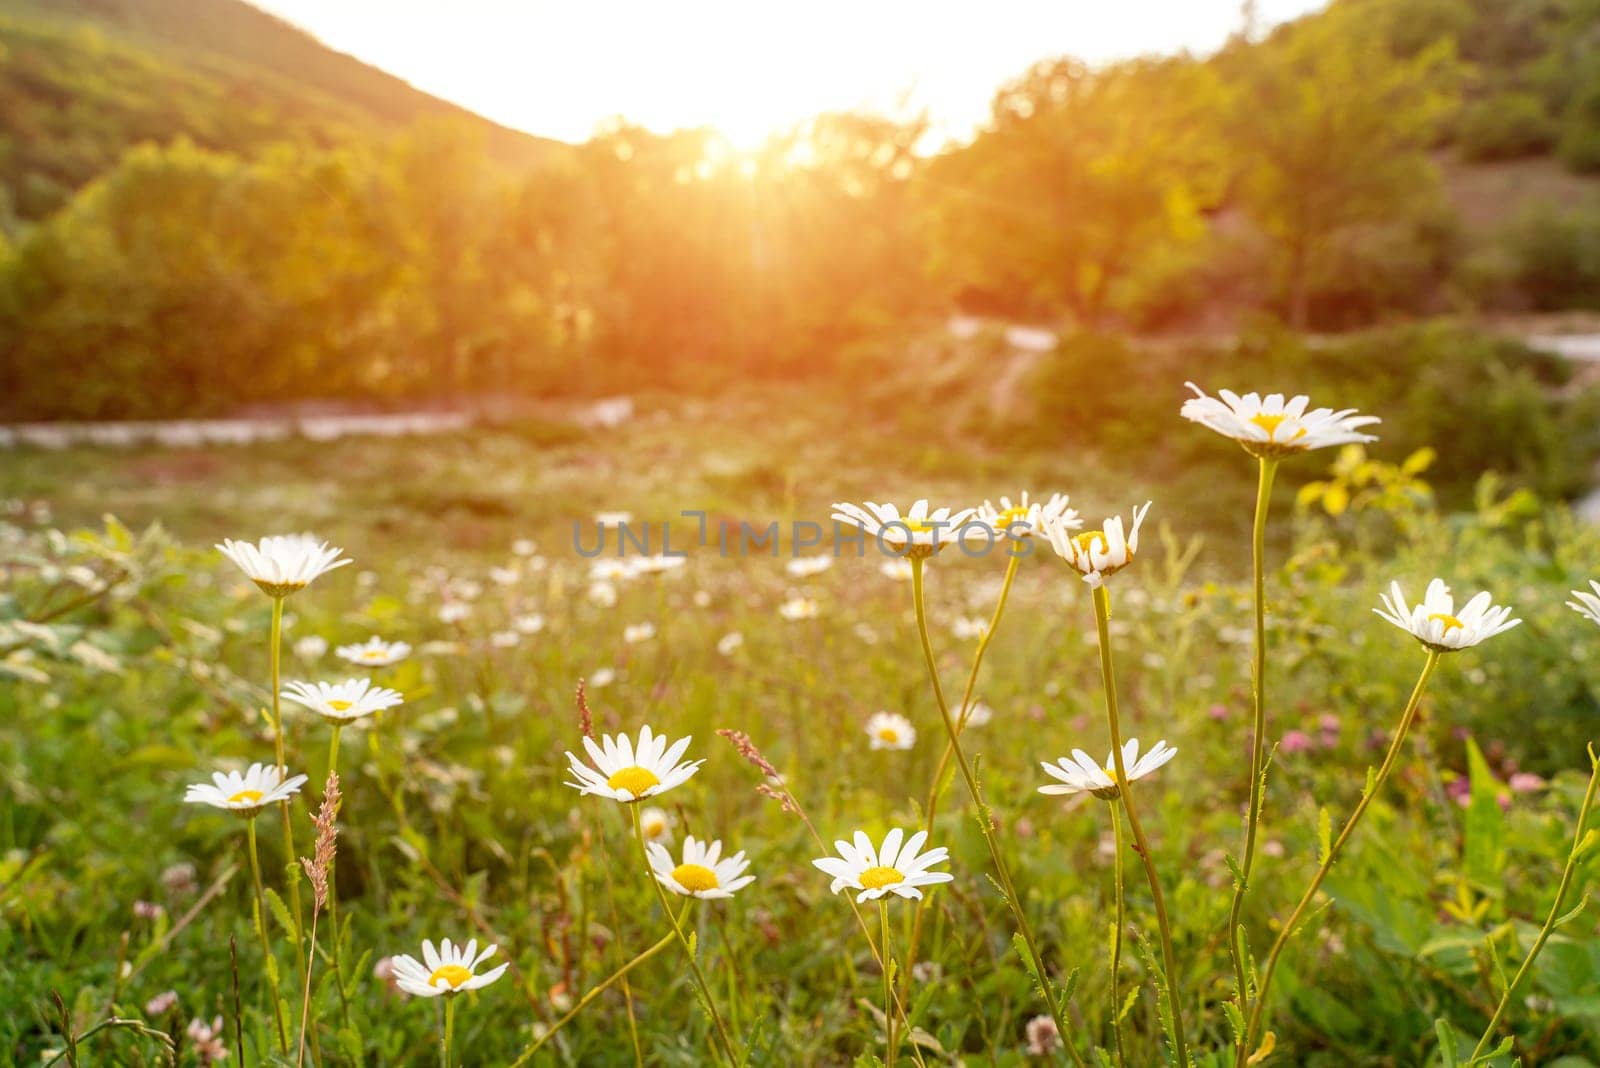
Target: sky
x,y
747,67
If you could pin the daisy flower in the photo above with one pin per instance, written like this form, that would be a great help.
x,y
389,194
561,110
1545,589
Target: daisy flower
x,y
245,794
529,624
730,643
966,628
341,702
630,772
1272,428
656,824
797,608
613,519
1438,625
454,612
898,569
450,969
978,715
1081,775
889,730
917,533
1587,604
658,563
635,633
311,647
504,639
701,874
611,571
374,652
1027,518
283,563
1095,554
806,566
893,869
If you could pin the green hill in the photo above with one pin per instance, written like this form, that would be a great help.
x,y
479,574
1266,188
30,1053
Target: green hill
x,y
81,81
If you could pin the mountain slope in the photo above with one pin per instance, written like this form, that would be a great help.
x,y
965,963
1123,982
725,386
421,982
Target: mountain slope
x,y
81,81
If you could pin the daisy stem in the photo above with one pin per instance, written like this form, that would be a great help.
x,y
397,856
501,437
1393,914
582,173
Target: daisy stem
x,y
292,870
1102,619
936,788
594,992
677,929
261,932
449,1031
1116,937
1236,950
1375,784
888,983
985,823
283,772
1555,908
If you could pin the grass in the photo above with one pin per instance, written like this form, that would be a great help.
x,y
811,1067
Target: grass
x,y
457,822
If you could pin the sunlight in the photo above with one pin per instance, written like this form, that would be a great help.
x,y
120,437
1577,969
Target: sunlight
x,y
749,70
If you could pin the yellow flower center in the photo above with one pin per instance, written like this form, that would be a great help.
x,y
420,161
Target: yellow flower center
x,y
1270,424
374,654
695,878
888,734
655,828
1009,516
452,974
1111,772
245,795
339,706
1448,620
1086,540
875,878
635,780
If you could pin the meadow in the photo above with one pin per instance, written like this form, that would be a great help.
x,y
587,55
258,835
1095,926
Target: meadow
x,y
136,663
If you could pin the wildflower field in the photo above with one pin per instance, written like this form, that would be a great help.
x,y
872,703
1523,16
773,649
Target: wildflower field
x,y
810,782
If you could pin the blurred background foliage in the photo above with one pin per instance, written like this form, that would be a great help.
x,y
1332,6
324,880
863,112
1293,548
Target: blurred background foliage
x,y
202,209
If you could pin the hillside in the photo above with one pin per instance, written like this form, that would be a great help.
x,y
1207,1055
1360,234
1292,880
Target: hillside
x,y
81,81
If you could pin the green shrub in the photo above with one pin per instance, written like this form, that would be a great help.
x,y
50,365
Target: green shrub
x,y
1493,401
1557,256
1507,125
1580,127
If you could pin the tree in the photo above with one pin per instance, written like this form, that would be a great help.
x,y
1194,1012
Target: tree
x,y
1078,175
1331,132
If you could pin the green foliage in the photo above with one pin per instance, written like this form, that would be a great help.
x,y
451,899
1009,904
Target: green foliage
x,y
203,209
1432,382
1580,128
1331,133
1507,125
455,812
1556,256
1051,207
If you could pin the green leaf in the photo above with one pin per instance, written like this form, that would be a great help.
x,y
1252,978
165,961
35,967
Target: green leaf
x,y
1021,946
1483,852
1572,913
280,912
1238,873
1447,1043
1235,1020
